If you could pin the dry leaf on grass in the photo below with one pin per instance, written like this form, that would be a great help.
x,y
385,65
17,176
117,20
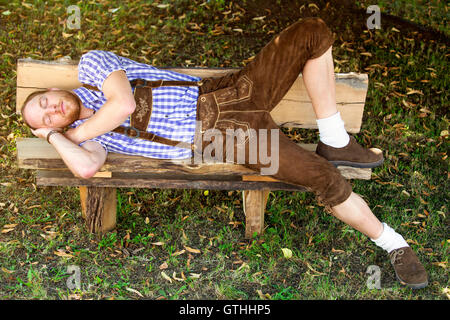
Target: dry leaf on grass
x,y
287,253
135,291
192,250
165,276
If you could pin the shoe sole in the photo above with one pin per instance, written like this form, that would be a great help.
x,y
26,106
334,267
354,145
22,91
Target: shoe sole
x,y
412,285
358,164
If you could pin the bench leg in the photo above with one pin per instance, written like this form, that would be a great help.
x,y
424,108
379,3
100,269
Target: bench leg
x,y
254,207
98,207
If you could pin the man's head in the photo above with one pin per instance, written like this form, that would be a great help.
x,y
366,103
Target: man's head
x,y
51,108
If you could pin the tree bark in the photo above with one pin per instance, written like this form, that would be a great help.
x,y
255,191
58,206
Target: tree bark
x,y
98,207
254,208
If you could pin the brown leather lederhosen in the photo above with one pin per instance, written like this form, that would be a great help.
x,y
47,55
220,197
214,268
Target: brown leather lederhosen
x,y
244,99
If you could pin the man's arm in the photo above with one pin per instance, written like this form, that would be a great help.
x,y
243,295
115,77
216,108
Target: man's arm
x,y
83,161
118,107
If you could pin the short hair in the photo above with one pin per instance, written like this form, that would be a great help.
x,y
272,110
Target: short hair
x,y
30,96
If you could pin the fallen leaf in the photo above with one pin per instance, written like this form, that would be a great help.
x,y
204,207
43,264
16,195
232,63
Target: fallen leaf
x,y
442,264
446,291
259,18
192,250
67,35
6,270
10,225
62,253
287,253
414,92
163,266
263,296
113,11
135,291
165,276
178,253
311,268
406,193
174,276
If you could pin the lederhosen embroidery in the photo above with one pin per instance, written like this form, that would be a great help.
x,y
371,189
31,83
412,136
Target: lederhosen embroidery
x,y
140,118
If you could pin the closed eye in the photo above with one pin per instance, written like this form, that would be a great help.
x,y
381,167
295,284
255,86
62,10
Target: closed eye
x,y
43,102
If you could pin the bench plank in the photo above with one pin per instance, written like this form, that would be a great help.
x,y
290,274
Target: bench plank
x,y
134,180
35,153
295,109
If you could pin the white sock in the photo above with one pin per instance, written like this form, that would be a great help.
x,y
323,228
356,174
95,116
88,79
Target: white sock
x,y
332,131
389,239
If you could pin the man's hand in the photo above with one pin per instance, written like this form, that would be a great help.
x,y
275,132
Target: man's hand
x,y
43,132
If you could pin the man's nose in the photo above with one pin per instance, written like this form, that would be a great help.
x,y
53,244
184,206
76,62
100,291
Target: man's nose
x,y
54,108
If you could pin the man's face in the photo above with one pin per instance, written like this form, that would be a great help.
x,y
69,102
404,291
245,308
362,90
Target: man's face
x,y
52,109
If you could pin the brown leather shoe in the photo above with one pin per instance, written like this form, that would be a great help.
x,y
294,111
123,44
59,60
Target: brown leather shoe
x,y
408,269
352,155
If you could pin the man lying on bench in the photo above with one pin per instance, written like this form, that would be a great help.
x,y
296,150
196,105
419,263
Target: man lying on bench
x,y
133,108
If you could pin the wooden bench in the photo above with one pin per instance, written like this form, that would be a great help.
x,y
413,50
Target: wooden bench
x,y
98,194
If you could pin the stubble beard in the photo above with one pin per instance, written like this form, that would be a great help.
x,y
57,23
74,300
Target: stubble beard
x,y
72,106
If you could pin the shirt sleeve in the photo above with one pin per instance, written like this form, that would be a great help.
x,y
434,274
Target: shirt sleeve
x,y
95,66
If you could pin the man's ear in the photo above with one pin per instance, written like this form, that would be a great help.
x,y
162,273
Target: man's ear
x,y
53,89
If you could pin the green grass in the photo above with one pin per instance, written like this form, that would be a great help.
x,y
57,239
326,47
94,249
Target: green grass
x,y
329,261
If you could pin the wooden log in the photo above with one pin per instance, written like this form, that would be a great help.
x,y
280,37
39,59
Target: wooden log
x,y
254,207
98,206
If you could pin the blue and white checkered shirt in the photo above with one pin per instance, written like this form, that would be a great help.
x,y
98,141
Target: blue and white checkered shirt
x,y
174,108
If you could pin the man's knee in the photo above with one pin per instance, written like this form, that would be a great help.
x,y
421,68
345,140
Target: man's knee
x,y
337,191
315,34
313,24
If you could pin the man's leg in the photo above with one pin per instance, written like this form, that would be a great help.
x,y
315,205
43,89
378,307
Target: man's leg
x,y
408,269
318,76
356,213
307,169
335,144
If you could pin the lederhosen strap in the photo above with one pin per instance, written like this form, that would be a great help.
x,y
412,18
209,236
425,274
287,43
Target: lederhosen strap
x,y
141,116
